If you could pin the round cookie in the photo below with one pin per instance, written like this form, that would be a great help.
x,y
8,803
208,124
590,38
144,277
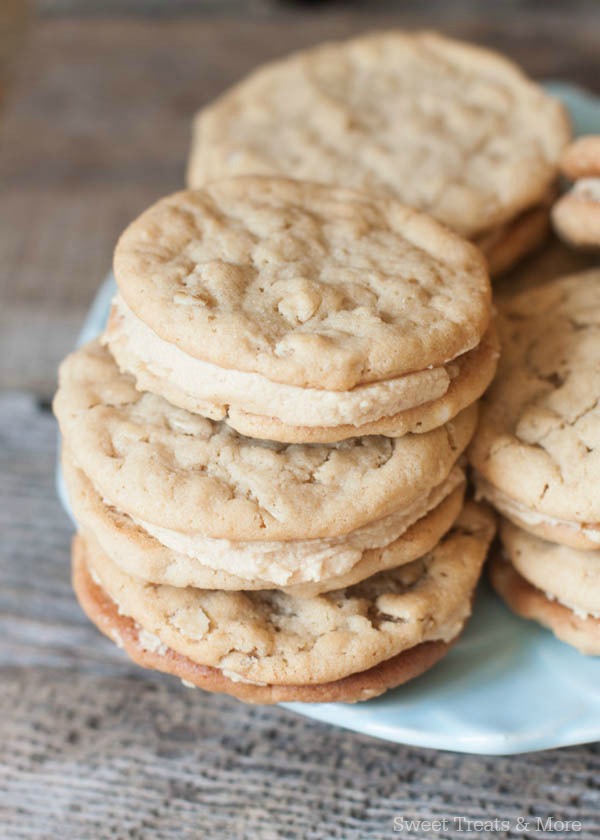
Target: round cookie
x,y
576,216
274,638
538,441
571,577
450,128
103,612
183,382
140,554
301,283
179,471
529,602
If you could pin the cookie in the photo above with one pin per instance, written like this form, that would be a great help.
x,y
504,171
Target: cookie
x,y
103,612
274,638
187,475
302,568
569,576
581,158
529,602
505,246
304,284
450,128
537,449
576,215
434,396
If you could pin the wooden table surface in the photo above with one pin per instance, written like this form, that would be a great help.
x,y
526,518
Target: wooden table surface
x,y
96,126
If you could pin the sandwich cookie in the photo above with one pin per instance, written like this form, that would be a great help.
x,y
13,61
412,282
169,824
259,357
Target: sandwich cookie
x,y
284,514
579,629
303,311
189,383
536,453
268,646
576,216
450,128
319,565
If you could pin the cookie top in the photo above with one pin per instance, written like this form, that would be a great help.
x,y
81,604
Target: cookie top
x,y
306,284
181,471
272,637
539,435
450,128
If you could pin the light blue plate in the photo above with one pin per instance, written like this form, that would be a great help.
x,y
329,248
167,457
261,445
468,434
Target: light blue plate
x,y
508,686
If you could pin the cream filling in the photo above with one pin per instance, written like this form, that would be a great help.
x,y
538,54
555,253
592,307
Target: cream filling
x,y
301,561
578,611
587,188
515,510
215,388
238,678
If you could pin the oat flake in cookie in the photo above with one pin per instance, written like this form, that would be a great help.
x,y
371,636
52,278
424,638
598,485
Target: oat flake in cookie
x,y
455,130
304,304
537,449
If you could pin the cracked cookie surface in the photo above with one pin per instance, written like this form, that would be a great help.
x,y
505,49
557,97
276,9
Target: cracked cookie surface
x,y
538,441
304,284
181,471
453,129
271,637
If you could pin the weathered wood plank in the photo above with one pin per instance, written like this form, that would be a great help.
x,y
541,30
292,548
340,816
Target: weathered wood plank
x,y
105,756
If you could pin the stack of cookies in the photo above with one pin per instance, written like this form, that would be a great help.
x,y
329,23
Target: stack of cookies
x,y
537,457
264,452
443,126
